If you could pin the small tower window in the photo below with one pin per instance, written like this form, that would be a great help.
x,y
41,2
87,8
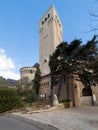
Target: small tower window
x,y
48,15
42,22
31,71
45,19
45,60
58,20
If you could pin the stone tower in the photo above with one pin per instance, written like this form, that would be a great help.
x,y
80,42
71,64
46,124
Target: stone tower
x,y
50,29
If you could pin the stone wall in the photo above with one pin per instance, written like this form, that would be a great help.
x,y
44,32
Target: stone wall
x,y
95,91
63,91
73,92
77,91
45,87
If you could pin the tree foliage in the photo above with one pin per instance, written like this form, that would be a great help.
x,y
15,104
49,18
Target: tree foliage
x,y
2,82
9,99
36,82
26,92
76,58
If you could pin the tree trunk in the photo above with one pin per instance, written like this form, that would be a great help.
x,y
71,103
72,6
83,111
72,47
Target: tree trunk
x,y
67,79
59,88
52,79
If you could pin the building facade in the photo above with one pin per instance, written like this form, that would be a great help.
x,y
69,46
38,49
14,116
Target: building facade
x,y
50,29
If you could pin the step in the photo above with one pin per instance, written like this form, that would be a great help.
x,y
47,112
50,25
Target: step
x,y
86,101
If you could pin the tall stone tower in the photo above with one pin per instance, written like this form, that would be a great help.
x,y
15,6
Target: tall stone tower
x,y
50,29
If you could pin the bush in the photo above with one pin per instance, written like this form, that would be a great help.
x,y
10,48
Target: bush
x,y
9,99
66,103
28,96
31,97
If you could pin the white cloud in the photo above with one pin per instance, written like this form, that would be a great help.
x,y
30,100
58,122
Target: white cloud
x,y
6,63
9,74
7,66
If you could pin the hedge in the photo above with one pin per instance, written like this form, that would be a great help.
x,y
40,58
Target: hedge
x,y
9,99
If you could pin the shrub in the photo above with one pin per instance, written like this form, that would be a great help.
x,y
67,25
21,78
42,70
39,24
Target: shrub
x,y
31,97
9,99
66,103
28,96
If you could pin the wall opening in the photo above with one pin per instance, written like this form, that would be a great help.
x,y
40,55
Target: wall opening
x,y
87,92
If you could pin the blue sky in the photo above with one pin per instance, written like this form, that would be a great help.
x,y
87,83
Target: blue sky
x,y
19,29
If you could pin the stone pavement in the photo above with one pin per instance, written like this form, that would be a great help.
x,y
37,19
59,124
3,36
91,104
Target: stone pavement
x,y
77,118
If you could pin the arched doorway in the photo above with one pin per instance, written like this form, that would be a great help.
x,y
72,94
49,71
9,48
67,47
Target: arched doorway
x,y
87,92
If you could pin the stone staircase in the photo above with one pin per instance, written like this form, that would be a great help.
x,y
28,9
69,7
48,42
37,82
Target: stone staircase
x,y
86,101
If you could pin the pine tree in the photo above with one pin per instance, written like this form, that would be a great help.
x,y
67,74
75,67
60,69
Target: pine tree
x,y
37,81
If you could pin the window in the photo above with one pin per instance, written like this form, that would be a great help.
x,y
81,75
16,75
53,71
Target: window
x,y
42,22
45,19
45,60
47,83
58,20
31,71
48,15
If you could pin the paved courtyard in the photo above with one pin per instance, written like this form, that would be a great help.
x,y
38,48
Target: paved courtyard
x,y
80,118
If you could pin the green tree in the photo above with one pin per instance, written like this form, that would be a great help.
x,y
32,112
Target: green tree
x,y
74,58
2,82
87,67
26,91
62,60
36,82
9,99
